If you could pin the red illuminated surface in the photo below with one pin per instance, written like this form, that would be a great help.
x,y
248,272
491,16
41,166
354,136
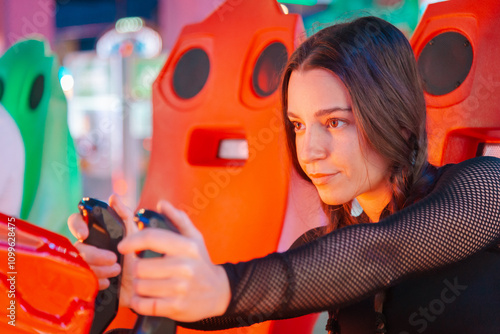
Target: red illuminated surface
x,y
464,118
54,288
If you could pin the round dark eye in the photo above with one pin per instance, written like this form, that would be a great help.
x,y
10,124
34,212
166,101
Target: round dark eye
x,y
191,73
445,62
266,74
2,89
36,92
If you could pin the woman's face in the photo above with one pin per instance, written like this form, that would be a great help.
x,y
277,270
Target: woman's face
x,y
329,149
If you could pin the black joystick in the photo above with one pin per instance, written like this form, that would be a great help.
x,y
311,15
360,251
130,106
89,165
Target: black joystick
x,y
148,324
106,230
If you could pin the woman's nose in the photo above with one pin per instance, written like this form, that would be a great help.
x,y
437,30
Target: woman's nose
x,y
311,146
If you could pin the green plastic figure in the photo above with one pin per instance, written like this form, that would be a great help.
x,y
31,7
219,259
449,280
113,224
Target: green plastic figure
x,y
30,91
402,13
12,166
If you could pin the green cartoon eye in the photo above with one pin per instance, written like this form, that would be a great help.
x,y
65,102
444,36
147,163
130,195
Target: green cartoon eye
x,y
2,89
36,93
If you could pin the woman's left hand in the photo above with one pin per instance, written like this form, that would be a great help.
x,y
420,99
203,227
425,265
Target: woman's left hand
x,y
184,285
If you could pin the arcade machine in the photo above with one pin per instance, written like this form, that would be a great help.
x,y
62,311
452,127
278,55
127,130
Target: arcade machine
x,y
218,151
31,93
45,286
455,45
218,166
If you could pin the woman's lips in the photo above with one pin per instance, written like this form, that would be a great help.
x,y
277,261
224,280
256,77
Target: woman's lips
x,y
321,178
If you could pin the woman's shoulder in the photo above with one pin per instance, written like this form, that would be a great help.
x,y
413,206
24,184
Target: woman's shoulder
x,y
479,161
309,236
475,173
478,170
481,165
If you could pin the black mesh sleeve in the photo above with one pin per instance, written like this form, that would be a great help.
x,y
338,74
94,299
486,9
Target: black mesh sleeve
x,y
460,217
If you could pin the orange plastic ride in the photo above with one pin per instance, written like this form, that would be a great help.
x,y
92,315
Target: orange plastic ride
x,y
46,287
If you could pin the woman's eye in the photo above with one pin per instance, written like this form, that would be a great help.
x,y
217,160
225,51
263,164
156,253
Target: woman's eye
x,y
335,123
297,126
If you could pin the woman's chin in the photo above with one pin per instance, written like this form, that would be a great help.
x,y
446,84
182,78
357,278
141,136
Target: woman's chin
x,y
330,199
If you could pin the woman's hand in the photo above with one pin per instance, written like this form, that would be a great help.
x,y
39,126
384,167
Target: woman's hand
x,y
183,285
104,262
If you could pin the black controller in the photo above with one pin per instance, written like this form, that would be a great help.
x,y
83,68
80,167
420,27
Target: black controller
x,y
148,324
106,230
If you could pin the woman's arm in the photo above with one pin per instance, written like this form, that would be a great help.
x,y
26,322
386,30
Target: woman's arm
x,y
460,217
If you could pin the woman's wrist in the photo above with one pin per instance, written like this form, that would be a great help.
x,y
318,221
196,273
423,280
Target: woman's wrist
x,y
224,297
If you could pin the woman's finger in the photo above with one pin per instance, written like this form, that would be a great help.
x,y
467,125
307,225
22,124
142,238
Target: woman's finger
x,y
96,256
106,271
146,306
170,307
180,219
124,212
164,267
78,227
160,241
160,288
103,283
162,307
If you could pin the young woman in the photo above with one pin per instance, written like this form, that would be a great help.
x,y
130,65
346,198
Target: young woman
x,y
355,118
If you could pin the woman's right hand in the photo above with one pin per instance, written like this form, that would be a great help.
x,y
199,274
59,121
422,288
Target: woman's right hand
x,y
104,262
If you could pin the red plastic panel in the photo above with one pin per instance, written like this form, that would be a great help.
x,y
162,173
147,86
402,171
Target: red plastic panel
x,y
204,147
460,120
43,276
239,209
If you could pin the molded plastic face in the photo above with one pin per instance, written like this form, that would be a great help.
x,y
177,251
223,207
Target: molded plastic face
x,y
25,72
31,93
456,45
218,148
54,288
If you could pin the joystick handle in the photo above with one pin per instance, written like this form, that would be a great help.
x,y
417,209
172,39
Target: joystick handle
x,y
148,324
106,230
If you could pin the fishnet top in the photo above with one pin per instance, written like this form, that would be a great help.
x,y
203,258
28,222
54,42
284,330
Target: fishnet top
x,y
458,218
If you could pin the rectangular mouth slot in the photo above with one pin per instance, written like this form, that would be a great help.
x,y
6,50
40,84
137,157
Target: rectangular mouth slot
x,y
218,147
489,149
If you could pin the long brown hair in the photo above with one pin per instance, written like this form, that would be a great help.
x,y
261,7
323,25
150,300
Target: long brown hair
x,y
376,63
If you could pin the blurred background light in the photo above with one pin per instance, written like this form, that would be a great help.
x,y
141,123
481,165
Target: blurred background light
x,y
129,24
284,8
67,82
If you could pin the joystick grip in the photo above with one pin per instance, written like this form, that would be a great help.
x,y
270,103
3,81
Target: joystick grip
x,y
148,324
106,230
